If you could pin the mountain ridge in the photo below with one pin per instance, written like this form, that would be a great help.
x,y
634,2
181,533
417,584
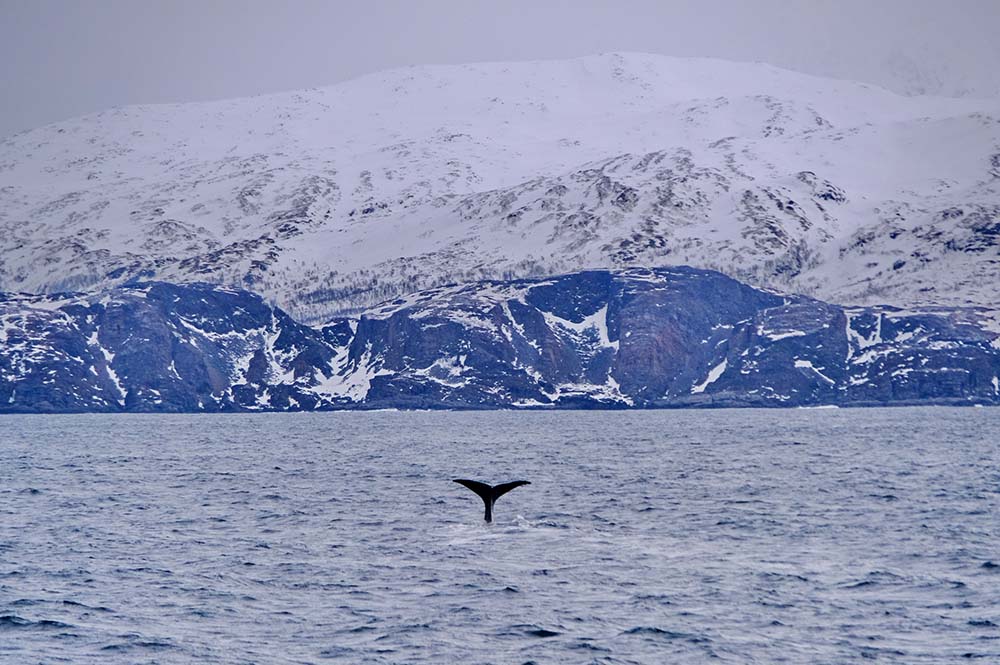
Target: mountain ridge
x,y
630,338
331,200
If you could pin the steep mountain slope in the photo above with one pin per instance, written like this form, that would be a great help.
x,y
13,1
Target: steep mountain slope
x,y
332,200
613,339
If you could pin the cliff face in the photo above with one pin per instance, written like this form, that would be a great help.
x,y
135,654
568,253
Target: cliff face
x,y
610,339
152,347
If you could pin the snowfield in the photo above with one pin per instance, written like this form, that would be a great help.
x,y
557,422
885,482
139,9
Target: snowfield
x,y
329,201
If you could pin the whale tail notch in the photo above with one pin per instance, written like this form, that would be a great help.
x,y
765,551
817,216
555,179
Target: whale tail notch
x,y
490,493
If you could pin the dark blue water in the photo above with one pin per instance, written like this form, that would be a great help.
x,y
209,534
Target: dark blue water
x,y
818,536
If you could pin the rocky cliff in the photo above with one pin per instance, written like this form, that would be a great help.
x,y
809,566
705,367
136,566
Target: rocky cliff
x,y
633,338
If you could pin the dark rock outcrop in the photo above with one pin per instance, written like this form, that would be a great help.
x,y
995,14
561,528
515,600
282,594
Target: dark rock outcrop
x,y
670,337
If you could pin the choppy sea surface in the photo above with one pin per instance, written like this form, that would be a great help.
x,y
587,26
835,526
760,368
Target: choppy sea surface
x,y
745,536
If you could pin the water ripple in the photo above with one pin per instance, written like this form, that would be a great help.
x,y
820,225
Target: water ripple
x,y
724,536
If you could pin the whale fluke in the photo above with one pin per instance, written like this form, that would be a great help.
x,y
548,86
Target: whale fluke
x,y
490,493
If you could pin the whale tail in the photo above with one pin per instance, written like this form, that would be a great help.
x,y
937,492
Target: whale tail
x,y
490,493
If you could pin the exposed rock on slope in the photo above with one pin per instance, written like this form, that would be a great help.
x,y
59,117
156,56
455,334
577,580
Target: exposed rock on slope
x,y
333,200
614,339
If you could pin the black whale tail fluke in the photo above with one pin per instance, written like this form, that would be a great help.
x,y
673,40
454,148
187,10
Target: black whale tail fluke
x,y
490,493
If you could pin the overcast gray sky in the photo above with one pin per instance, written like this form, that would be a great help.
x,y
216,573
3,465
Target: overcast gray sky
x,y
63,58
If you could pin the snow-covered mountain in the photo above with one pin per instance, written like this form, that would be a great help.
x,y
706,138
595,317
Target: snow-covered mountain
x,y
637,338
332,200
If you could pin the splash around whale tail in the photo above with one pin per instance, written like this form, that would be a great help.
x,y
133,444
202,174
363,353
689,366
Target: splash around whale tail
x,y
490,493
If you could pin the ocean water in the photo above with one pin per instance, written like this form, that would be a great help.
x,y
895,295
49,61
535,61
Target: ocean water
x,y
746,536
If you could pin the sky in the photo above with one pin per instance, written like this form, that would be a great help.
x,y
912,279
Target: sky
x,y
64,58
